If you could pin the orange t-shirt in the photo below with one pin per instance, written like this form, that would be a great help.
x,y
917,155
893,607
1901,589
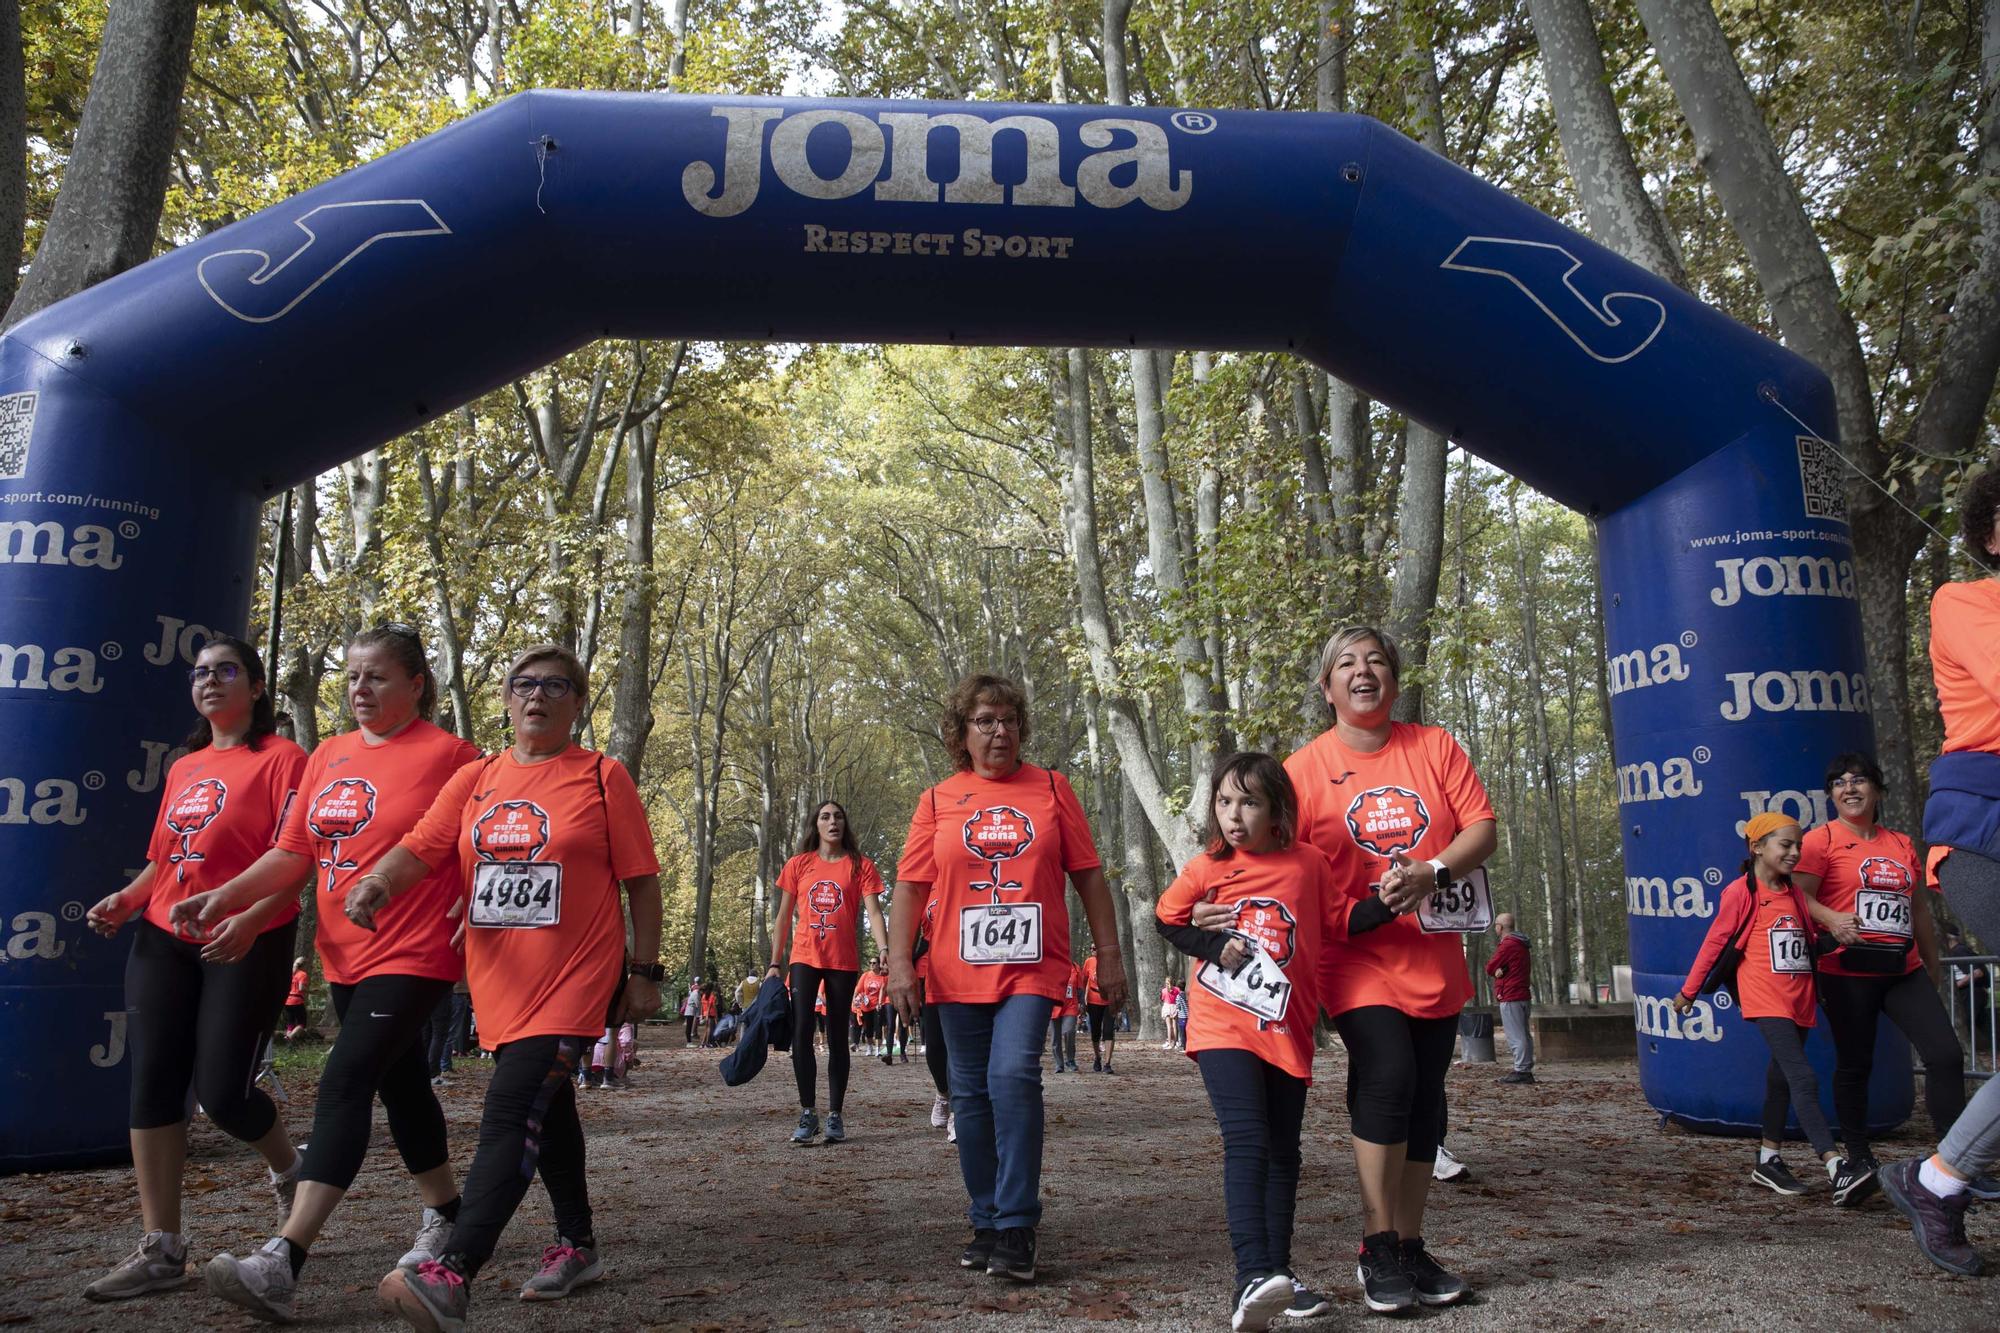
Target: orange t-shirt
x,y
1293,903
1092,995
927,929
219,811
1884,868
358,800
868,992
1965,666
297,995
826,905
1414,795
1072,1000
578,811
1775,979
997,849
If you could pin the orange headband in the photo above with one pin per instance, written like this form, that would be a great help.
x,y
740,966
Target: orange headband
x,y
1762,826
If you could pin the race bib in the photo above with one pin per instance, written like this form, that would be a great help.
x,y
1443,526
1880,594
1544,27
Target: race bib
x,y
1259,987
519,894
1883,913
1463,907
1788,950
1000,933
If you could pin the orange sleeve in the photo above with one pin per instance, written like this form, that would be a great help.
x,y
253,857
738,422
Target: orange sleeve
x,y
869,880
434,840
286,772
788,877
1967,630
1812,852
1176,905
1078,849
1463,790
161,844
918,863
1299,768
1737,903
1333,930
632,853
293,835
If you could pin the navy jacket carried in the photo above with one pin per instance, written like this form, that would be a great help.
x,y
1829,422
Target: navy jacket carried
x,y
767,1026
1964,806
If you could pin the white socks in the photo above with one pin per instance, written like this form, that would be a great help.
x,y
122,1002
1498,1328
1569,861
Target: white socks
x,y
1833,1168
1941,1183
291,1172
1766,1155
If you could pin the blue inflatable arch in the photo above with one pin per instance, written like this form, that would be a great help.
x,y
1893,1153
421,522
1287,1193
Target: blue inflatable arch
x,y
143,421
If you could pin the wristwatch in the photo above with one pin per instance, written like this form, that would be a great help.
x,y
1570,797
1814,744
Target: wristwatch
x,y
653,972
1442,874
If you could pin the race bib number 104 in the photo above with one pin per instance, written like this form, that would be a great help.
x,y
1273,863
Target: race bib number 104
x,y
1000,933
517,894
1463,907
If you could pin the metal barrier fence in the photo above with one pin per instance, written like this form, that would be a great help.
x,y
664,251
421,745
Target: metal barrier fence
x,y
1970,987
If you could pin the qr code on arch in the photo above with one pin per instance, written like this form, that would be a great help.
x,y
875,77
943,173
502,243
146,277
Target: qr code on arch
x,y
17,424
1821,479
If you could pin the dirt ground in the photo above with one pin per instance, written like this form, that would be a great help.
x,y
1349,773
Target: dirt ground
x,y
1581,1213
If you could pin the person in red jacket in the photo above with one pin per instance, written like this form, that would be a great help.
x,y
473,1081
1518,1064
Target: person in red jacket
x,y
1765,916
1509,969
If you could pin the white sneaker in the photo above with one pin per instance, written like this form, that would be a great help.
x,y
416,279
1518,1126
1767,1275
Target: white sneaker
x,y
429,1244
159,1263
1448,1167
285,1188
940,1112
951,1128
261,1283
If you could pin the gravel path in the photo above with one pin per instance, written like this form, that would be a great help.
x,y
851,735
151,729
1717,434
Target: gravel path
x,y
1580,1214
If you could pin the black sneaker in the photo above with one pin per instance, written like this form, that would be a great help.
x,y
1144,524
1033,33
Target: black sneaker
x,y
1097,1064
1775,1175
1519,1076
1014,1255
1983,1187
1939,1224
1385,1287
1435,1286
1259,1301
1306,1302
1853,1182
981,1249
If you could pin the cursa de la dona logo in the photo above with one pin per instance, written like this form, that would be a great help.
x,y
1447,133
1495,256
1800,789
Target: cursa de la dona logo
x,y
996,835
1386,820
192,811
511,831
824,898
1271,924
341,810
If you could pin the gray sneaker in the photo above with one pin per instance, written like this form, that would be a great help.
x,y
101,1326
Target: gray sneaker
x,y
160,1263
261,1283
431,1297
807,1131
565,1267
836,1132
429,1244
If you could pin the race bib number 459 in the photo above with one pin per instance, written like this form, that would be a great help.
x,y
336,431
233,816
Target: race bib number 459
x,y
1463,907
517,894
1000,933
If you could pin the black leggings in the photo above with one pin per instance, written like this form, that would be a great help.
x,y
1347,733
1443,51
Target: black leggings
x,y
1100,1027
1395,1077
202,1025
379,1052
529,1125
936,1058
805,983
1791,1085
1853,1004
1259,1109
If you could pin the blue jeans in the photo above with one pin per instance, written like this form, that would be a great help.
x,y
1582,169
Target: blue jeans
x,y
1259,1108
996,1093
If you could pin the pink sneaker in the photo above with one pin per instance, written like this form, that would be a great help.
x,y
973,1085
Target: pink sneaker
x,y
565,1267
431,1298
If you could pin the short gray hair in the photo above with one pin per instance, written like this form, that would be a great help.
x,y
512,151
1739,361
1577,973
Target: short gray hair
x,y
1345,638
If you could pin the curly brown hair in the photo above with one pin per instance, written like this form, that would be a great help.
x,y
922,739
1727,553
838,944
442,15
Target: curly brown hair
x,y
1977,501
976,689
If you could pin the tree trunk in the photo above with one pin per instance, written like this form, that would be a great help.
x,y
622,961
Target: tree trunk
x,y
451,656
107,217
1555,857
632,688
13,151
1141,892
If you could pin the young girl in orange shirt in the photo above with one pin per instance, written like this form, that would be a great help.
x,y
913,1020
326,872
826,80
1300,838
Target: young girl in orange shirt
x,y
1764,916
1253,995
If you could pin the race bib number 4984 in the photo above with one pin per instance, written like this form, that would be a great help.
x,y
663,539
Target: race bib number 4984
x,y
1000,933
517,894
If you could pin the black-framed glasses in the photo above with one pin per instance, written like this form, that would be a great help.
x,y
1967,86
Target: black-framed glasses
x,y
988,726
226,672
552,687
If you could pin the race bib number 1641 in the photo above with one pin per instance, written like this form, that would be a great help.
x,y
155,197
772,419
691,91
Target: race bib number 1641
x,y
1000,933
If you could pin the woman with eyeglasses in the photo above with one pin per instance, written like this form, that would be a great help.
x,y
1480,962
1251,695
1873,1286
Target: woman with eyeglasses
x,y
546,834
202,1007
996,841
361,792
1860,884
